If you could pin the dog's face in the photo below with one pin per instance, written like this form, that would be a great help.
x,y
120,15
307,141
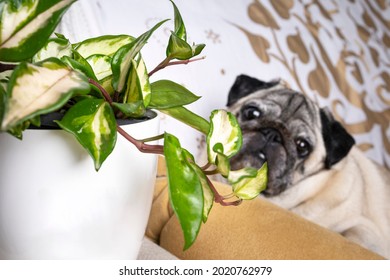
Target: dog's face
x,y
285,129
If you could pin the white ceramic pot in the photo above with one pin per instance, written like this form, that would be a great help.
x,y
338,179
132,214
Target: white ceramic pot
x,y
54,205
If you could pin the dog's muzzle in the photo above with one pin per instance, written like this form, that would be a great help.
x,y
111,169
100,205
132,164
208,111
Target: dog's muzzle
x,y
267,144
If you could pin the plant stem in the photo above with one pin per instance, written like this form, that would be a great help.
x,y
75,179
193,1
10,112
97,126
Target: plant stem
x,y
102,90
139,144
166,62
220,198
142,147
157,137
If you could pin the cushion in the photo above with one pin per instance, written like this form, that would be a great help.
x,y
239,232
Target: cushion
x,y
256,229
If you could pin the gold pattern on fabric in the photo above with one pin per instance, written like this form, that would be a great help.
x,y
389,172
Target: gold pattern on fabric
x,y
344,44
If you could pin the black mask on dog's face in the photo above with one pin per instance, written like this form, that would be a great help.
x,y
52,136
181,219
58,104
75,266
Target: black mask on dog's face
x,y
282,127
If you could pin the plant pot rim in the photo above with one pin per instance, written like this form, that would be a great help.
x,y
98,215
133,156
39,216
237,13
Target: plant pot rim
x,y
47,120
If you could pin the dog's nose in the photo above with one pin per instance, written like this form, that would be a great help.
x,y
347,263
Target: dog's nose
x,y
272,135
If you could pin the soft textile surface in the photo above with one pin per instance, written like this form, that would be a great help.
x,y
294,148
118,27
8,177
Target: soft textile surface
x,y
336,52
256,229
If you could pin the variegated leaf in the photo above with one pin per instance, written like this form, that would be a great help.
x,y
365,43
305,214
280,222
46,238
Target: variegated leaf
x,y
93,123
250,187
55,47
122,59
39,89
103,45
14,15
221,161
133,92
178,47
101,65
236,175
224,129
26,26
143,77
4,78
208,195
180,29
185,189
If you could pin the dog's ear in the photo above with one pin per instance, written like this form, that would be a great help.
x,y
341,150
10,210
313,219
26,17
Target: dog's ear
x,y
338,142
245,85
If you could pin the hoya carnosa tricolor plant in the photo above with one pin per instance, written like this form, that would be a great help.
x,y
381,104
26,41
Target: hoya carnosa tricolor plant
x,y
95,82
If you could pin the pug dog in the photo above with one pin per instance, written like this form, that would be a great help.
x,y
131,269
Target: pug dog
x,y
314,169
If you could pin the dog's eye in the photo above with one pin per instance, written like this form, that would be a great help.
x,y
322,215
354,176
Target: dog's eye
x,y
303,147
250,113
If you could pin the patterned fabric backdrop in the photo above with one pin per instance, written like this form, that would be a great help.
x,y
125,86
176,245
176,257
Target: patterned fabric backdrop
x,y
335,52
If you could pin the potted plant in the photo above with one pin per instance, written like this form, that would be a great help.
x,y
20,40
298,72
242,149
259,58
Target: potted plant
x,y
54,91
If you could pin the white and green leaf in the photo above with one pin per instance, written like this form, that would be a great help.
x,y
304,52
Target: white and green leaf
x,y
178,47
93,123
180,29
133,92
55,47
39,89
103,45
236,175
185,189
248,187
26,26
208,195
101,65
224,129
221,161
143,78
14,14
122,59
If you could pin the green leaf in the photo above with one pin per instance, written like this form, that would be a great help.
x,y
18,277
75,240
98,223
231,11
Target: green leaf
x,y
101,65
103,45
93,123
132,110
185,189
79,65
40,89
236,175
178,47
225,130
26,25
250,187
122,59
180,29
106,83
197,49
55,47
143,78
208,195
3,102
17,131
133,92
221,161
186,116
167,94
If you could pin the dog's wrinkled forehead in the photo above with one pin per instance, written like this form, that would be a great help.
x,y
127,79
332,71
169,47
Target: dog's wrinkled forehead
x,y
271,98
